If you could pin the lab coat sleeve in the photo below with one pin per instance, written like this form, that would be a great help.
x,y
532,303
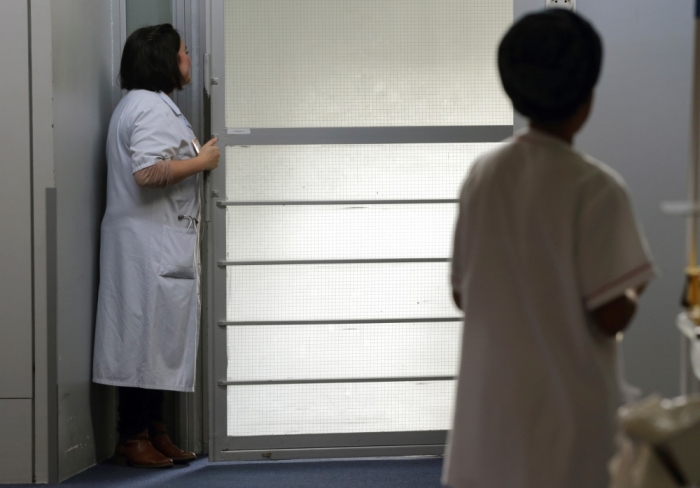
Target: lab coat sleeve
x,y
611,252
153,137
159,175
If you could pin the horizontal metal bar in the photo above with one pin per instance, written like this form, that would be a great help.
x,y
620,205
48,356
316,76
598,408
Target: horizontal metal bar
x,y
333,261
336,202
365,135
432,450
681,208
336,380
333,440
224,323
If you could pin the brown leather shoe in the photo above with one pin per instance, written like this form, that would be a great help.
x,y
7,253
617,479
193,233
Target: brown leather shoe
x,y
160,440
138,452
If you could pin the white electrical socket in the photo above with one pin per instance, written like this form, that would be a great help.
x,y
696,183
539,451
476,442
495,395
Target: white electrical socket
x,y
565,4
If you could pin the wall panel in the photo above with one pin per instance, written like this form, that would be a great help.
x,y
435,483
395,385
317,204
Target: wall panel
x,y
83,78
640,125
16,445
15,200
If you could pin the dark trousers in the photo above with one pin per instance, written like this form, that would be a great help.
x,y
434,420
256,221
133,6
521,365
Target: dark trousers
x,y
138,408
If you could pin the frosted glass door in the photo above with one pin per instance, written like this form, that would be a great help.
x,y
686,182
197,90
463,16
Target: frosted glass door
x,y
355,63
301,268
334,226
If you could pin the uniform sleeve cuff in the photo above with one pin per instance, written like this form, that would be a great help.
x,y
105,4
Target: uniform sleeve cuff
x,y
632,279
145,163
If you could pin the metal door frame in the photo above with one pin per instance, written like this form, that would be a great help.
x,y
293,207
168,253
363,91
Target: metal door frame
x,y
223,447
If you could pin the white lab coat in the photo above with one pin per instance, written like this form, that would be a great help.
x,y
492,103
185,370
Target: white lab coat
x,y
545,234
148,307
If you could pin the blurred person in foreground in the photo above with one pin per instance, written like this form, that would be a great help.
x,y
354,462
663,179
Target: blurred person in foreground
x,y
548,262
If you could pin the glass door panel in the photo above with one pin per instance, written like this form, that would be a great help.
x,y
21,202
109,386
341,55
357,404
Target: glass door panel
x,y
327,232
339,408
349,127
362,63
340,351
348,172
315,292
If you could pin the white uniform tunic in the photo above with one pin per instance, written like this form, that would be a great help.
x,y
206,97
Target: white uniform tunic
x,y
545,234
148,310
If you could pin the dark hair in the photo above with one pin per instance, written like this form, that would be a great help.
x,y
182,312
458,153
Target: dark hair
x,y
549,63
149,60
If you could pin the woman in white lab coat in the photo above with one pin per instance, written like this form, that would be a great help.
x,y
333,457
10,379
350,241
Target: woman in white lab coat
x,y
148,305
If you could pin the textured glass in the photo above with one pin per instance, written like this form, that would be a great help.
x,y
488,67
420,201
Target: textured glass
x,y
140,13
273,233
339,408
339,292
362,63
349,172
349,63
305,352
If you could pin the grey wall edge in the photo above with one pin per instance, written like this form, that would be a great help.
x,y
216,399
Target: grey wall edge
x,y
52,310
83,79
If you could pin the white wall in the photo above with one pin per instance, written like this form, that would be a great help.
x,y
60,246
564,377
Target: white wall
x,y
83,98
58,92
16,392
45,418
640,127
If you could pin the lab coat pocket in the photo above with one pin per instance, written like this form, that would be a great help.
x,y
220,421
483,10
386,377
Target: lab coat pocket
x,y
177,253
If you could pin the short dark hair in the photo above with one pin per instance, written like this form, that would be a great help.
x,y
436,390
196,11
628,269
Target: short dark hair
x,y
549,63
149,60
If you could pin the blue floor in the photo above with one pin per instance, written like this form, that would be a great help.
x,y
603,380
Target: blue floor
x,y
416,472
